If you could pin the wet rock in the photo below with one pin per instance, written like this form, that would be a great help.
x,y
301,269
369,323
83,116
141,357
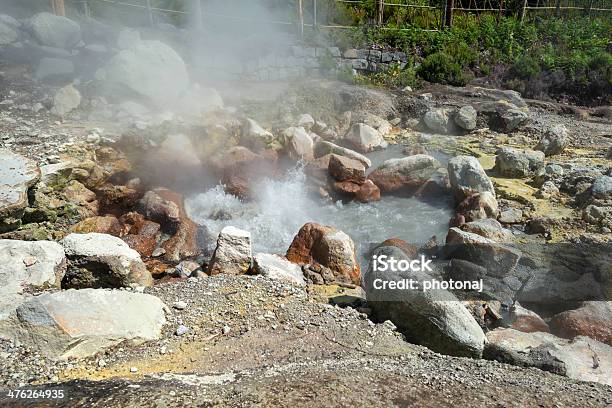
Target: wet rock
x,y
54,68
54,31
108,224
466,117
467,177
66,100
233,254
346,187
81,323
582,359
511,162
17,175
488,228
323,148
101,260
365,138
435,319
554,141
368,192
150,69
592,319
255,137
345,169
278,267
404,173
499,259
478,206
328,247
164,211
438,120
299,144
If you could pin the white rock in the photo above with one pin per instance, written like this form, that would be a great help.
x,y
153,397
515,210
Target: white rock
x,y
306,121
278,267
365,138
299,144
66,100
233,254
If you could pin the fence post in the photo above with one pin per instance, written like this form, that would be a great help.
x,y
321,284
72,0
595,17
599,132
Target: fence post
x,y
150,13
522,11
450,5
381,12
58,7
301,17
589,9
558,8
314,15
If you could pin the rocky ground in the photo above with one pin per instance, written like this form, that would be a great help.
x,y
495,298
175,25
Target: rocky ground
x,y
109,292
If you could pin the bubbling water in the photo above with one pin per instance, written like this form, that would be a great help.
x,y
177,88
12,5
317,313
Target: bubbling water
x,y
280,207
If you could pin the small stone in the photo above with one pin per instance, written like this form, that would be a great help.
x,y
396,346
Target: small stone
x,y
182,329
101,363
180,305
226,329
133,370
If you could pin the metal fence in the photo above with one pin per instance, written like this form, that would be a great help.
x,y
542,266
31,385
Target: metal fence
x,y
306,14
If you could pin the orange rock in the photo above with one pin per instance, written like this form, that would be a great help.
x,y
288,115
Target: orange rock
x,y
103,225
410,250
592,319
368,192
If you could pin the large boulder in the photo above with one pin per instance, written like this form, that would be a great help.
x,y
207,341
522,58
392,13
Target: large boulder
x,y
164,211
511,162
299,144
512,119
592,319
433,318
254,136
150,69
323,148
438,120
233,254
582,358
601,189
102,261
365,138
81,323
17,175
54,31
467,177
327,247
466,118
407,172
66,100
478,206
278,267
554,141
488,228
345,169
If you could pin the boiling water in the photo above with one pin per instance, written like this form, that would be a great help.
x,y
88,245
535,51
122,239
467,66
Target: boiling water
x,y
282,206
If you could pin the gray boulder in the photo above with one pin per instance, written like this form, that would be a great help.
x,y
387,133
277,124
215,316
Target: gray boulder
x,y
17,175
467,177
81,323
512,119
66,100
511,162
54,31
233,254
435,319
278,267
466,117
150,69
405,172
554,141
488,228
102,261
438,120
602,188
365,138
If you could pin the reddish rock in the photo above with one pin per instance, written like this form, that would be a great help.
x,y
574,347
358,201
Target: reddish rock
x,y
457,221
318,168
592,319
237,186
143,244
132,222
368,192
157,268
184,243
527,321
346,187
160,205
409,249
345,169
326,246
112,196
433,188
478,206
103,225
143,234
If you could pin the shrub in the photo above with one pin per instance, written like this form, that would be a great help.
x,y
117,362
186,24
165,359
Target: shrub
x,y
442,68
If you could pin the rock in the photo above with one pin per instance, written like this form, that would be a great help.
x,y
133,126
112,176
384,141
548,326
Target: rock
x,y
66,100
499,259
104,225
278,267
518,163
54,31
323,148
328,247
102,261
407,172
23,264
150,69
376,122
467,177
163,211
596,215
488,228
345,169
554,141
233,252
306,121
346,187
254,136
142,235
438,120
368,192
82,323
79,195
592,319
435,319
8,34
17,175
547,190
526,321
511,216
365,138
512,118
466,117
602,188
299,144
478,206
127,38
582,359
186,269
54,67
